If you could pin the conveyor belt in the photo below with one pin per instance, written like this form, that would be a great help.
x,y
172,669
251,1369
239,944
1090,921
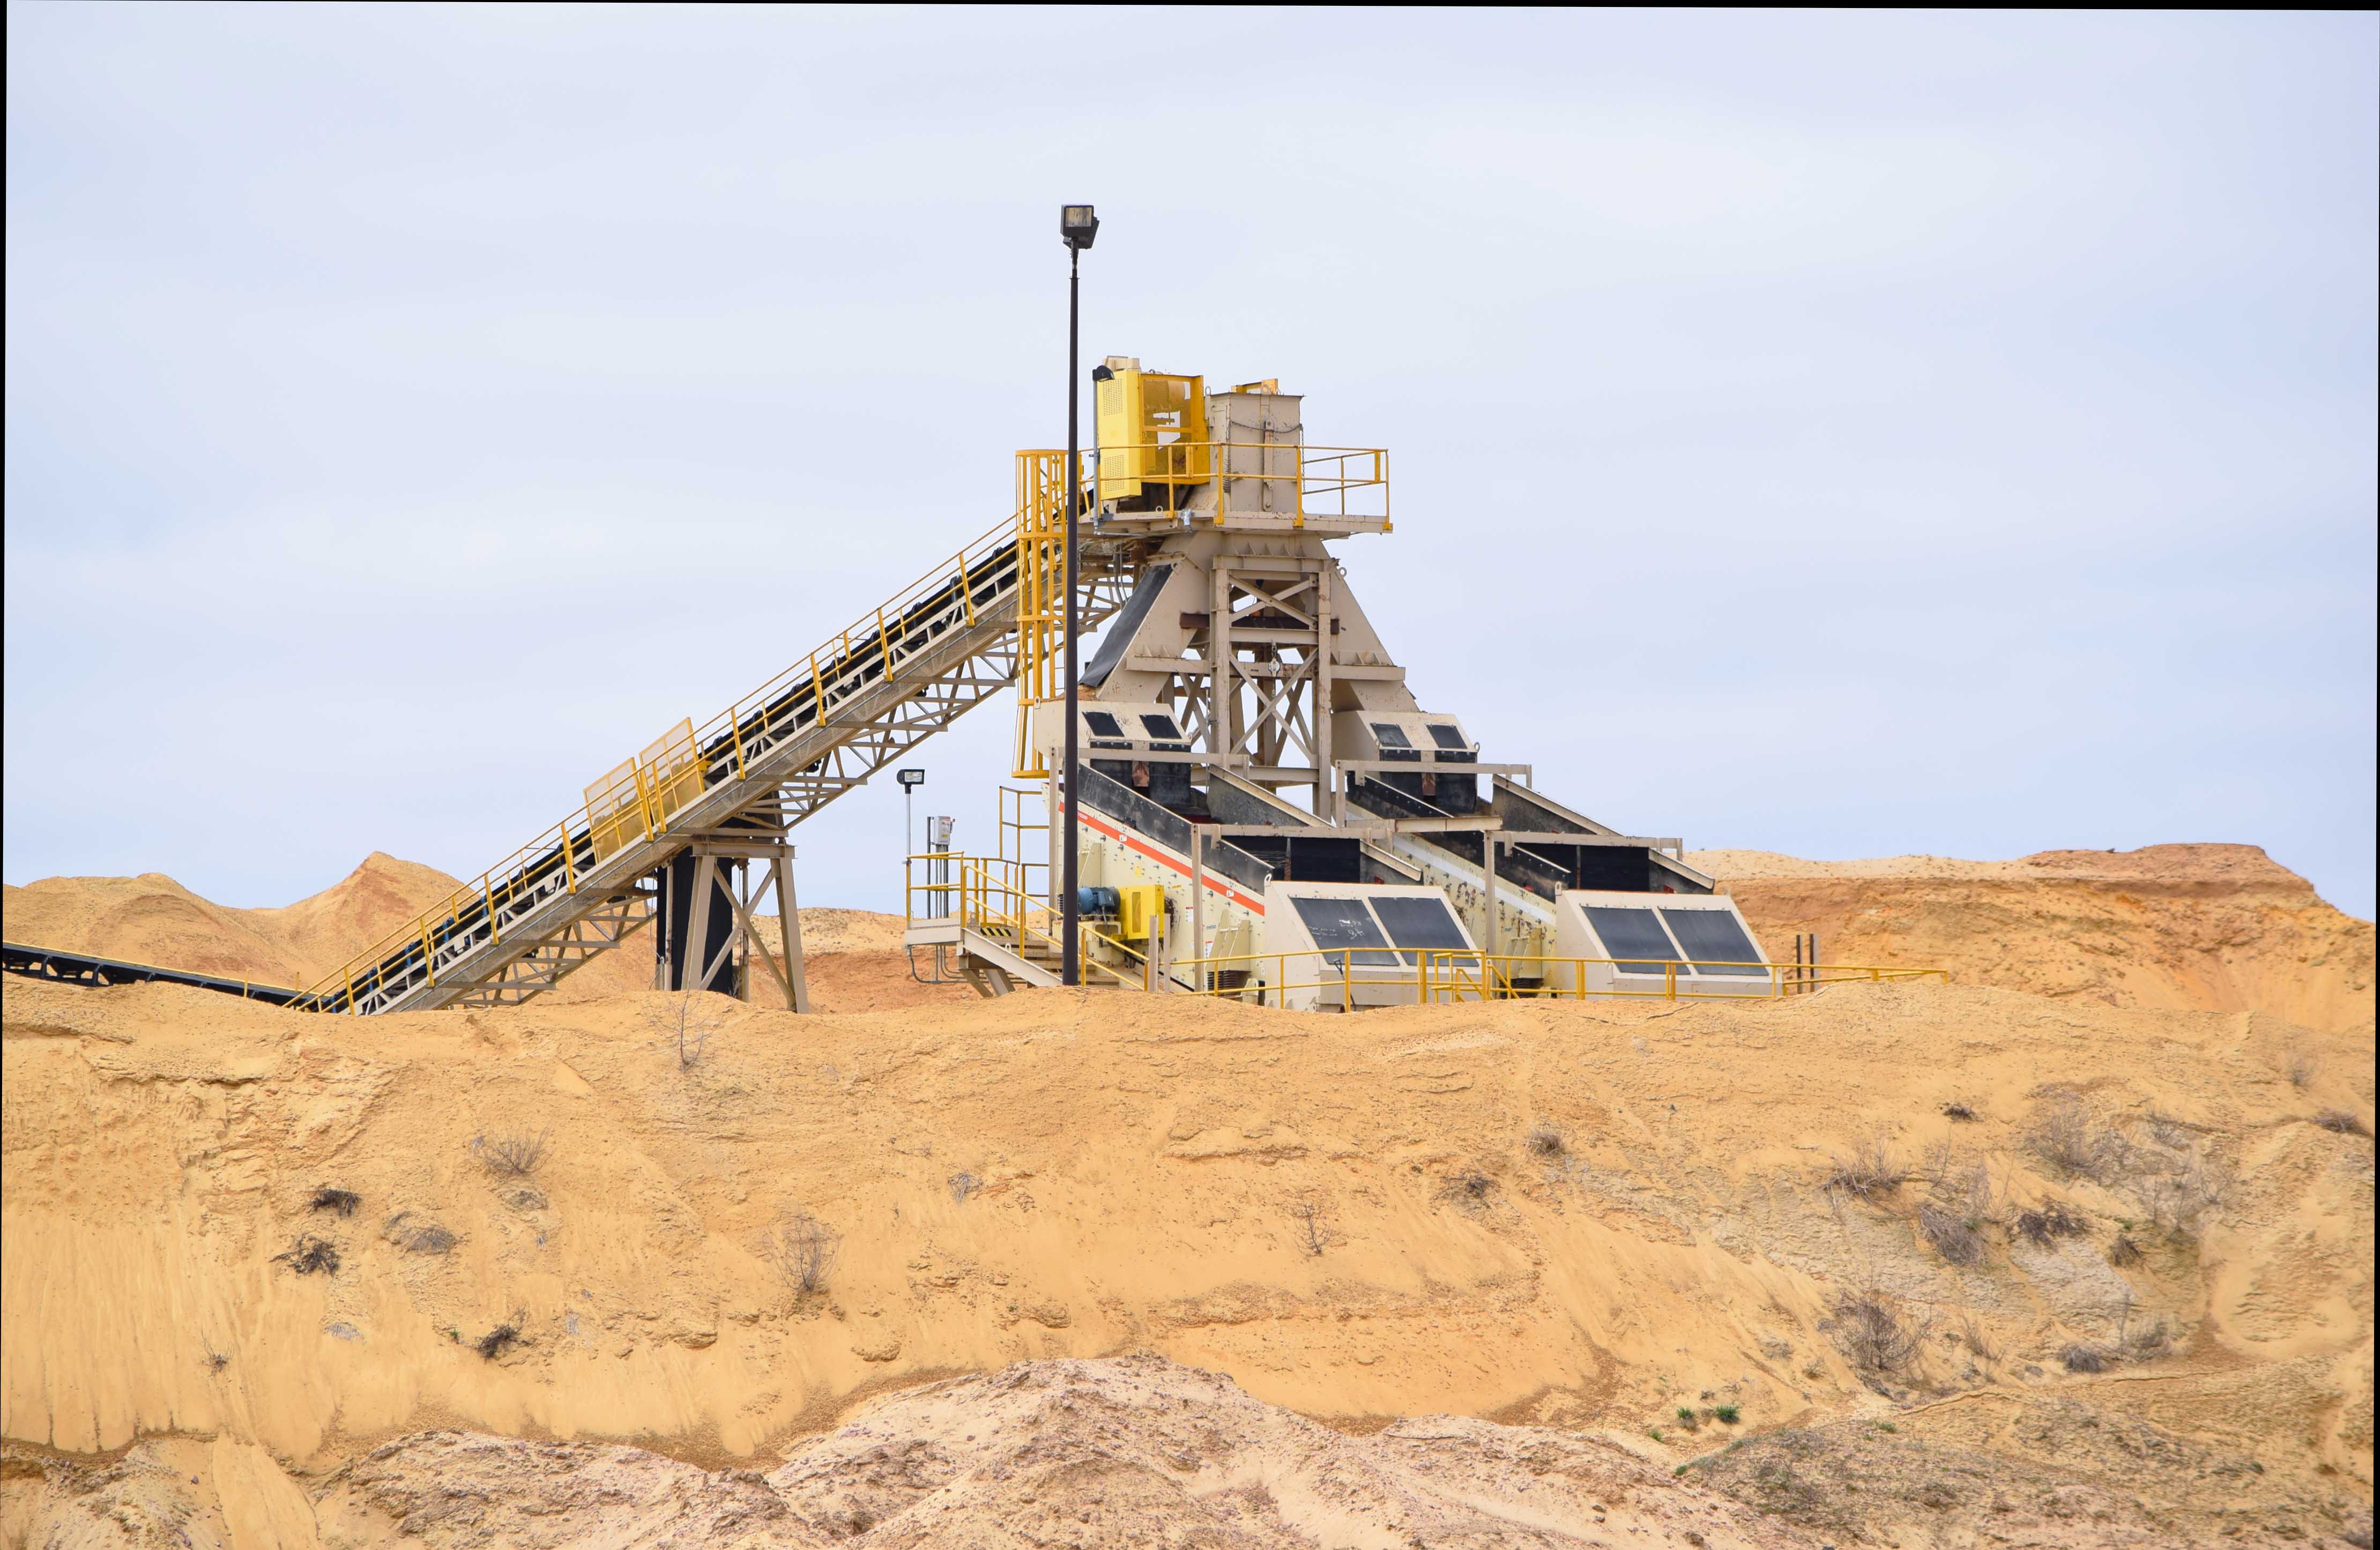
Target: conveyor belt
x,y
83,968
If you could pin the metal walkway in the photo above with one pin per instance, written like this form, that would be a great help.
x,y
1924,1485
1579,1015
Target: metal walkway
x,y
930,654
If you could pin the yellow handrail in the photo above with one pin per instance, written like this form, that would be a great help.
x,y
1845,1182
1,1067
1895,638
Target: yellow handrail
x,y
750,712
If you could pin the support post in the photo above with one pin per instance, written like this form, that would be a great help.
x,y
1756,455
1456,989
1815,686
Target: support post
x,y
693,965
797,986
1198,907
1490,946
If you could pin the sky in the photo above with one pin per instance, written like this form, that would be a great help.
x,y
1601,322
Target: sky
x,y
1846,435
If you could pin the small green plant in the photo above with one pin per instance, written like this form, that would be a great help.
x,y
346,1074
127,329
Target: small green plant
x,y
1655,1432
1728,1414
1886,1426
1686,1415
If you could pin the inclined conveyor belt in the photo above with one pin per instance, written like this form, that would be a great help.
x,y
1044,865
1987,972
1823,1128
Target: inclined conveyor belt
x,y
857,666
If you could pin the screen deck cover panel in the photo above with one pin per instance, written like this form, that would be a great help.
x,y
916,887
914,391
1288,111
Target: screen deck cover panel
x,y
1634,935
1418,922
1712,937
1335,923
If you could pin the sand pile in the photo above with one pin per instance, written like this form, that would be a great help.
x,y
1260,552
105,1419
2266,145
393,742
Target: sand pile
x,y
2210,927
295,1240
855,962
153,919
1054,1452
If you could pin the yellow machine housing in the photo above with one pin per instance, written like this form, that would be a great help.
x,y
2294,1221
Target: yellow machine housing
x,y
1139,908
1152,436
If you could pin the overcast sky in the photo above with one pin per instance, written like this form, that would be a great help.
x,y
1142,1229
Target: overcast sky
x,y
1845,434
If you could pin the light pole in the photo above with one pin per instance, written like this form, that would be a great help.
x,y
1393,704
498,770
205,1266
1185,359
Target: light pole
x,y
910,781
1078,225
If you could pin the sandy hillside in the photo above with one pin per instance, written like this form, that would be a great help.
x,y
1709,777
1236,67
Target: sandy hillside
x,y
2096,1275
855,962
2212,927
153,919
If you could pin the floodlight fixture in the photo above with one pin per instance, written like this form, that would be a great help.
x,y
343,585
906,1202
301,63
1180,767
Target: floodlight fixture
x,y
1078,225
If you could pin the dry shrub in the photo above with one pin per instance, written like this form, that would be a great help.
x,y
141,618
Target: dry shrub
x,y
1978,1344
1964,1113
2084,1358
2123,1253
342,1200
2340,1122
515,1154
1870,1173
1954,1236
1546,1141
1471,1192
2148,1343
2300,1068
310,1256
802,1250
964,1184
1878,1331
2166,1131
2177,1200
2045,1223
1313,1219
493,1344
2063,1134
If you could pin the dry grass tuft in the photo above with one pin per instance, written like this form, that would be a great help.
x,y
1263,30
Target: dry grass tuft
x,y
1869,1174
2340,1122
2084,1358
2063,1134
2148,1343
515,1154
1471,1192
1954,1236
1546,1142
2045,1223
309,1257
1978,1344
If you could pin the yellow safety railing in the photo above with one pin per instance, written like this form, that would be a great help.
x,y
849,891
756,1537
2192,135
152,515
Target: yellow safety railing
x,y
1320,482
1256,990
636,801
1444,975
987,895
